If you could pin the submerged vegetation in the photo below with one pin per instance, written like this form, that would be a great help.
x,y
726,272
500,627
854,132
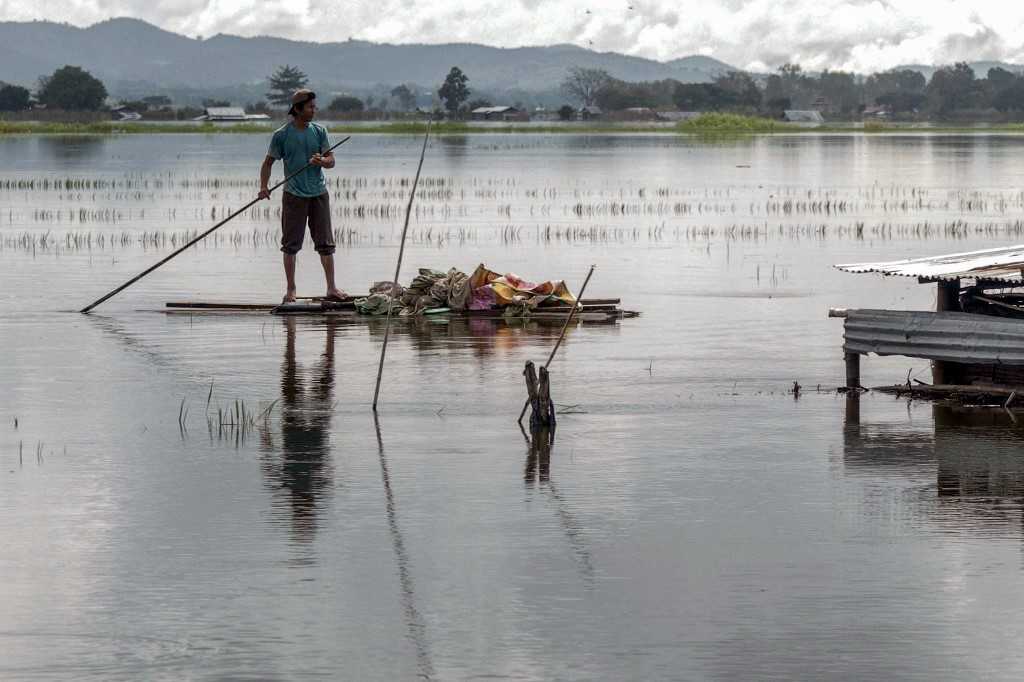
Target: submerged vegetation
x,y
729,123
109,213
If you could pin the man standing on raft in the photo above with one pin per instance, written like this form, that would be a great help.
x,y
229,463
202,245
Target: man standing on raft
x,y
305,196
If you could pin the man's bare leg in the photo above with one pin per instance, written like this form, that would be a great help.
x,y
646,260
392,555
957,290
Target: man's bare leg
x,y
327,260
289,275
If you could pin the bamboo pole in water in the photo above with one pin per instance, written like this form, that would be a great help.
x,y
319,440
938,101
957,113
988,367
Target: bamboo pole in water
x,y
232,216
398,266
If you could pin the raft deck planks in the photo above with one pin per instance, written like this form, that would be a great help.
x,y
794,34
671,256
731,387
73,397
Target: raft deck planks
x,y
592,309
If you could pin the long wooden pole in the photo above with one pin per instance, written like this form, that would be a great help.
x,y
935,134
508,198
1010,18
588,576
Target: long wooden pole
x,y
565,327
245,208
398,266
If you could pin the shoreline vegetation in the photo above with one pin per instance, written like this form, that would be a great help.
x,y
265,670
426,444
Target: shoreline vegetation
x,y
710,124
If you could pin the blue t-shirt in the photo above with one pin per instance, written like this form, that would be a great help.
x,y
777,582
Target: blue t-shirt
x,y
296,147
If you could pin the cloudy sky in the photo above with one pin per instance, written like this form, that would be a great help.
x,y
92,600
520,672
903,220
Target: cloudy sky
x,y
756,34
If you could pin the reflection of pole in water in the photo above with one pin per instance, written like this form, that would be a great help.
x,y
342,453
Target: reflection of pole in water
x,y
413,620
538,469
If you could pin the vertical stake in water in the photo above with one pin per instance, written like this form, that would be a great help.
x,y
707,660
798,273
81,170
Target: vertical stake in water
x,y
398,266
565,327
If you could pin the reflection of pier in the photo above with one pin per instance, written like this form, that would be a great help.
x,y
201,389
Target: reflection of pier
x,y
978,453
538,472
975,453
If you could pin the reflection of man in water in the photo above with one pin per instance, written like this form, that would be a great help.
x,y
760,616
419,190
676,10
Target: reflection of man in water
x,y
302,470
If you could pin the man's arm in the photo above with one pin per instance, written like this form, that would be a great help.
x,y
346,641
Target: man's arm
x,y
265,177
324,159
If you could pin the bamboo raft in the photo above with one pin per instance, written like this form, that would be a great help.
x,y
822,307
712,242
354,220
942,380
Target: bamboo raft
x,y
591,310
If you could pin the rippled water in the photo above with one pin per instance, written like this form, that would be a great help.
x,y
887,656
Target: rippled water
x,y
693,520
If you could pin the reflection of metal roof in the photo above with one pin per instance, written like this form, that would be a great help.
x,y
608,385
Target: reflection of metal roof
x,y
999,265
949,336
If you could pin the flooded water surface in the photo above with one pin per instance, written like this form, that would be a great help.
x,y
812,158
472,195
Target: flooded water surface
x,y
209,496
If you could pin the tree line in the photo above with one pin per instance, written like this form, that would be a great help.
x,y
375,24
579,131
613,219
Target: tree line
x,y
72,88
952,90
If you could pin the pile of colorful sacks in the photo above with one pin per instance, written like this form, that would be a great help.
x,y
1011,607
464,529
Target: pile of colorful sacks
x,y
432,290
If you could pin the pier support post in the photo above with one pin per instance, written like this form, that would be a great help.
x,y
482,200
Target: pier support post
x,y
852,414
539,392
947,298
852,370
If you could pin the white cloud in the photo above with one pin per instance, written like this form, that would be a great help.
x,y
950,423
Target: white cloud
x,y
863,35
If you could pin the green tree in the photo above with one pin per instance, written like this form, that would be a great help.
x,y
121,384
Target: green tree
x,y
73,89
619,95
284,82
566,113
902,101
405,96
616,95
1000,79
14,98
584,85
774,90
790,83
952,88
346,104
1010,96
898,85
840,90
995,89
740,89
699,97
478,103
454,91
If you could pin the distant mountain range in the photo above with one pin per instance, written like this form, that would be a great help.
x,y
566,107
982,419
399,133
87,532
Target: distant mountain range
x,y
133,57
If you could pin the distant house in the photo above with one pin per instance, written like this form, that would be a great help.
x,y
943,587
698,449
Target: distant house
x,y
229,114
589,112
125,114
636,114
804,116
501,113
877,111
542,114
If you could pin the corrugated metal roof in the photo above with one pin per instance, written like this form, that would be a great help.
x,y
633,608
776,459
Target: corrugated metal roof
x,y
1000,265
494,110
225,112
950,336
803,116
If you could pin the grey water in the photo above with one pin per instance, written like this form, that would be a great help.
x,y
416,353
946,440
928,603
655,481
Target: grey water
x,y
693,519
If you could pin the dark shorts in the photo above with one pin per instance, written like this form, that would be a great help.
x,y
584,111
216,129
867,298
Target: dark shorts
x,y
295,212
